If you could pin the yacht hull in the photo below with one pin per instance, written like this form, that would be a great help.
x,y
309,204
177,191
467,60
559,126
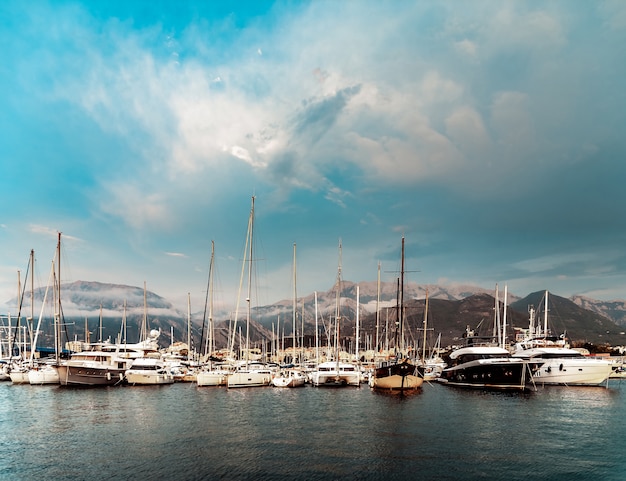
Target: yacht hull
x,y
89,376
212,378
500,374
585,372
148,378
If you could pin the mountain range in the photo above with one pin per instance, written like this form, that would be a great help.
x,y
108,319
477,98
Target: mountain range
x,y
100,308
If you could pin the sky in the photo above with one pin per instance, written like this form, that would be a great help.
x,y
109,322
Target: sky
x,y
490,134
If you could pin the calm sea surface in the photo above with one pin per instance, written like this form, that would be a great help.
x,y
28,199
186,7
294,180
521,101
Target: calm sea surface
x,y
182,432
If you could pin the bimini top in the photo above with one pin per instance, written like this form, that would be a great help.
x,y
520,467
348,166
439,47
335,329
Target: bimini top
x,y
480,351
550,353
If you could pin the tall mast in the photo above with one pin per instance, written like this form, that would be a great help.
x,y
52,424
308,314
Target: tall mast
x,y
233,331
32,297
100,325
338,309
545,317
504,316
144,324
57,344
251,229
377,306
294,307
356,349
496,320
211,274
188,326
124,325
402,299
425,325
317,345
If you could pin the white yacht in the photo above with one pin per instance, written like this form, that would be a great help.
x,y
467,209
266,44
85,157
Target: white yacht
x,y
104,365
565,366
289,378
19,372
214,376
149,370
561,364
45,373
333,373
252,374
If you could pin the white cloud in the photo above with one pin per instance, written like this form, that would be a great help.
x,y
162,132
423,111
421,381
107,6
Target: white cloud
x,y
466,129
466,47
511,26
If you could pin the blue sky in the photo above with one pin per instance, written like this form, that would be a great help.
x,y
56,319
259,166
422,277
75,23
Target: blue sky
x,y
489,133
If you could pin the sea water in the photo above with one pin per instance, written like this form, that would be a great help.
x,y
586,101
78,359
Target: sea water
x,y
185,432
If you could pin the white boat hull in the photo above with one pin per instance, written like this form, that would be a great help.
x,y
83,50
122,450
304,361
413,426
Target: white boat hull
x,y
249,379
212,378
46,375
333,374
134,377
335,379
19,376
574,372
290,379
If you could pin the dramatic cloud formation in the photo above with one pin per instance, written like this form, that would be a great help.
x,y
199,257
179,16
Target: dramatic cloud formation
x,y
488,133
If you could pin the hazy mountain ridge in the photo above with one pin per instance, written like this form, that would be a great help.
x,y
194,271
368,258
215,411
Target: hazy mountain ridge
x,y
614,310
451,310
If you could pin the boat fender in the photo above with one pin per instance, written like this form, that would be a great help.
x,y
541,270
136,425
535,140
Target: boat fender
x,y
108,376
561,367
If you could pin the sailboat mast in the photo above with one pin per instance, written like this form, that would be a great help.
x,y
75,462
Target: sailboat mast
x,y
124,322
144,325
188,326
32,297
294,308
425,326
402,299
211,276
356,350
396,339
100,325
249,284
317,344
504,316
377,306
338,309
545,317
496,321
57,332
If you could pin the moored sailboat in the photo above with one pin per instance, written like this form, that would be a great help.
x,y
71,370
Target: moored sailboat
x,y
336,373
399,373
248,374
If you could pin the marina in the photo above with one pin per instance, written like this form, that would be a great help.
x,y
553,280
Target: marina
x,y
184,432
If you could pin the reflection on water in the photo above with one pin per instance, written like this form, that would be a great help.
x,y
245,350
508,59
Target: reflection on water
x,y
185,432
